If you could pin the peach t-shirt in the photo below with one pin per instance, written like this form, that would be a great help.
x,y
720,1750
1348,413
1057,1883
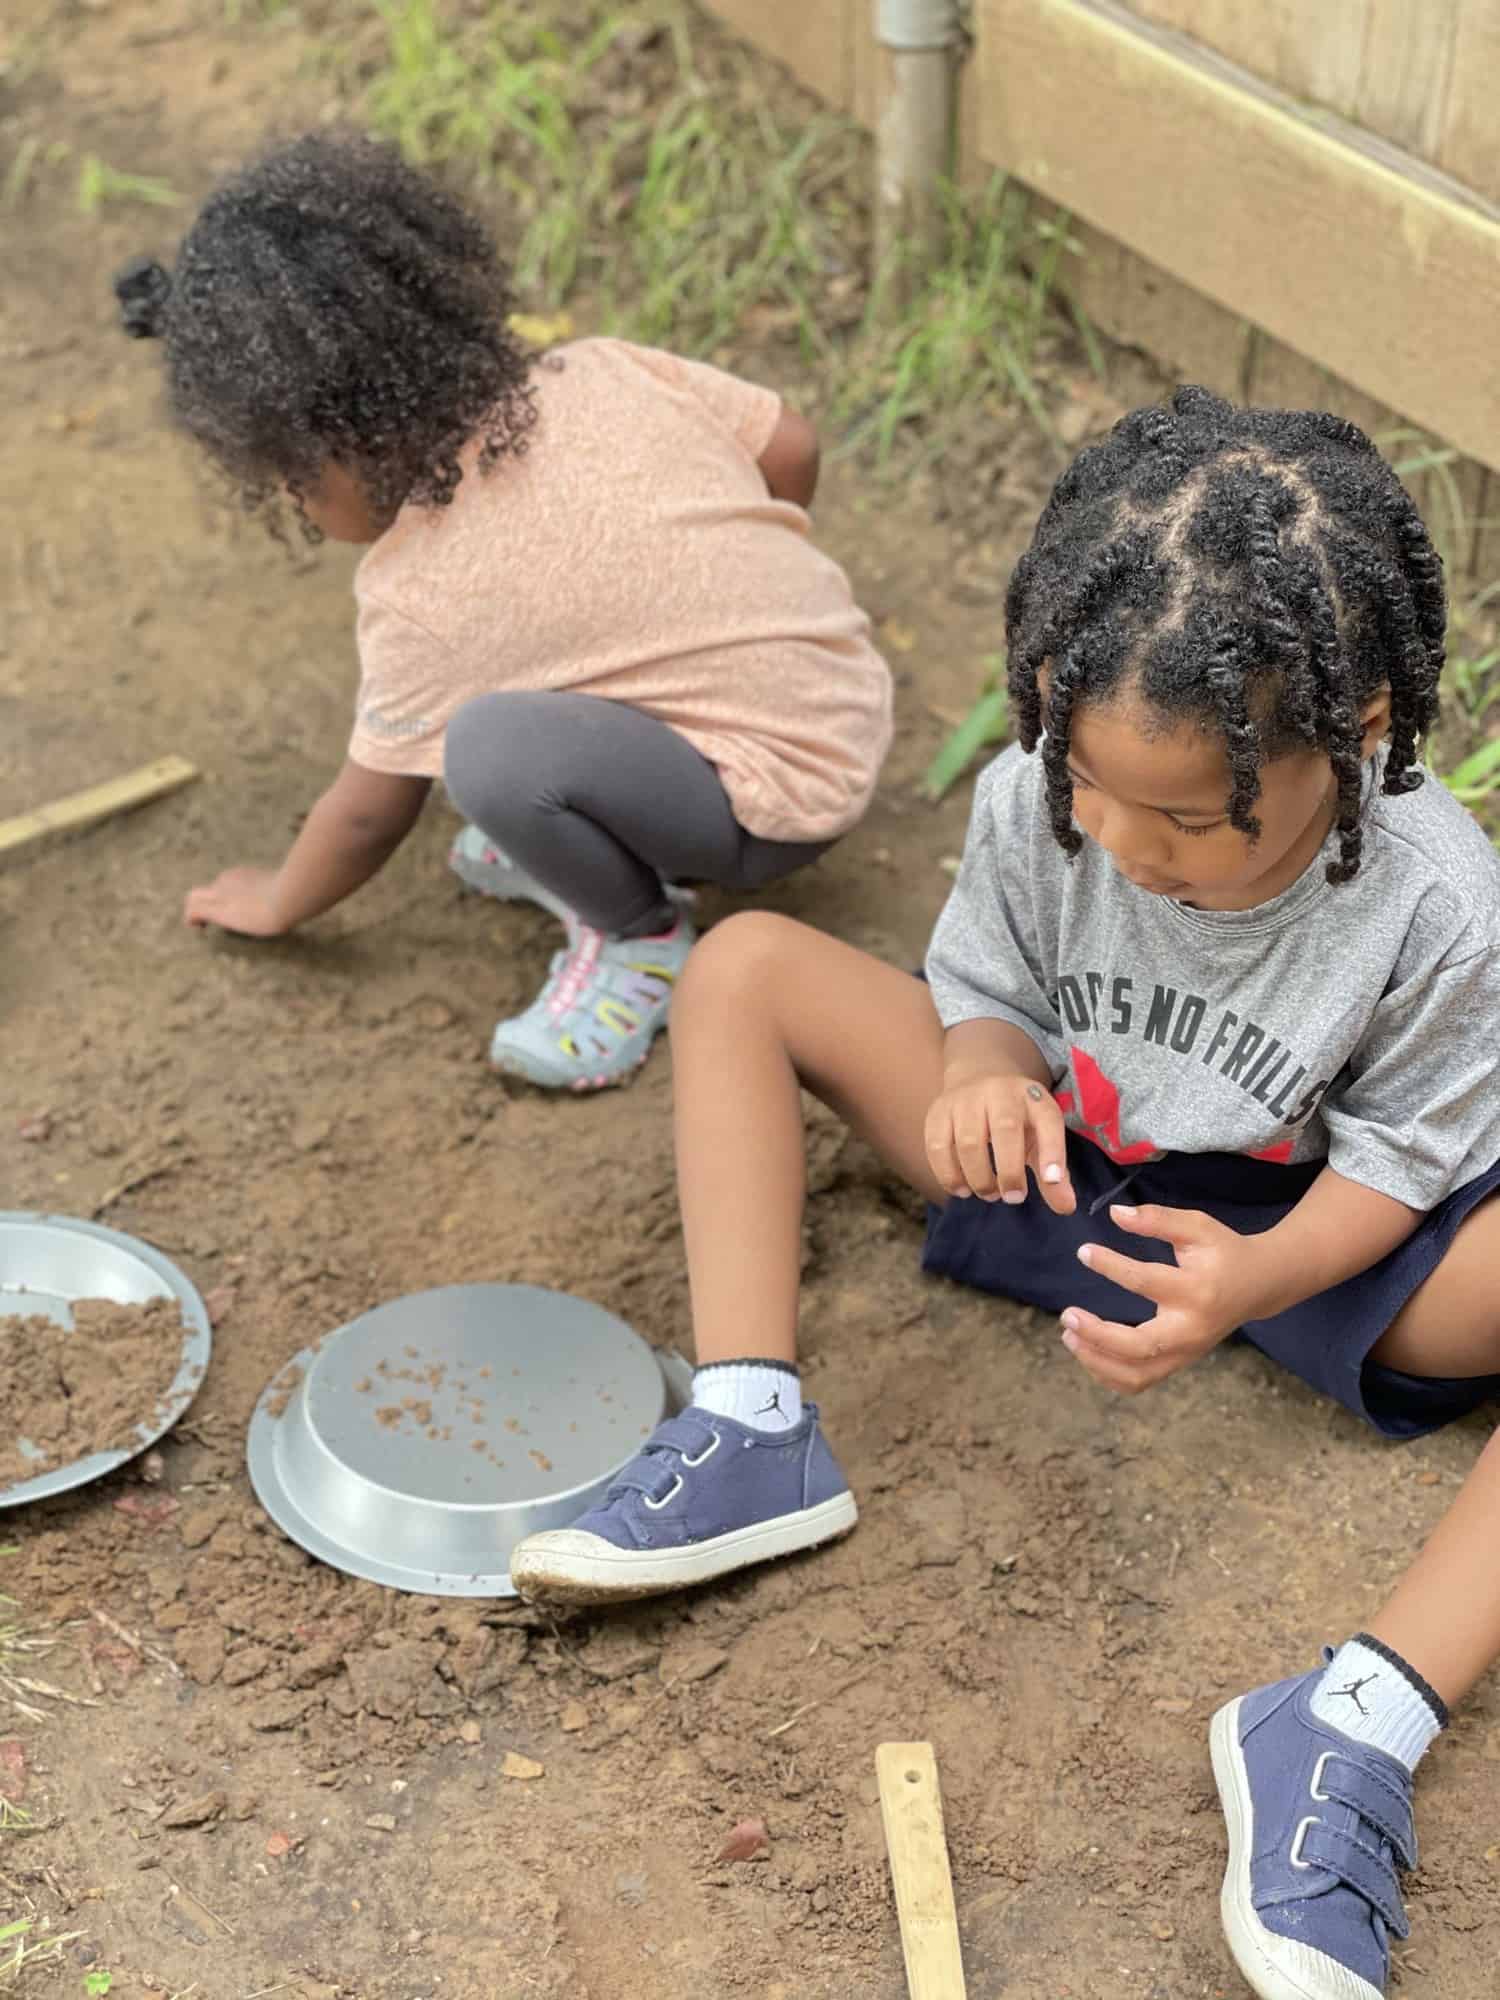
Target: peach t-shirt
x,y
633,552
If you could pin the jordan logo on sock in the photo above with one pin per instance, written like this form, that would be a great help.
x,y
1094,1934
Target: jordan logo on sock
x,y
774,1404
1352,1691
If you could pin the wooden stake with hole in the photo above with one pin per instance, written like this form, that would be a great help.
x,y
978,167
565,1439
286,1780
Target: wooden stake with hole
x,y
116,795
911,1804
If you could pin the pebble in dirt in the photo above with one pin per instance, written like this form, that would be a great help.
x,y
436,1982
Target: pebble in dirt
x,y
418,1444
47,1263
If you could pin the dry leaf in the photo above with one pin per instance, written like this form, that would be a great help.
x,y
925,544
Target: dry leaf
x,y
517,1766
218,1302
747,1837
280,1845
149,1512
12,1771
539,332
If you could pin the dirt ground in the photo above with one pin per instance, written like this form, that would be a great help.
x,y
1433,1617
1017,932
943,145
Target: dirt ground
x,y
285,1781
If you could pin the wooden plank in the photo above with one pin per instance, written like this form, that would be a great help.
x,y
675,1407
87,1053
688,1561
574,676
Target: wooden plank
x,y
812,38
911,1806
1314,52
1407,72
117,795
1345,249
1140,305
1469,145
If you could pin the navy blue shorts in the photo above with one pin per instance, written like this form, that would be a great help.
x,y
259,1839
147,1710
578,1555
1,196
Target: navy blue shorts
x,y
1029,1254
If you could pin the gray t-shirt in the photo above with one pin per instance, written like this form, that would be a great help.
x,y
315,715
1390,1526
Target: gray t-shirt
x,y
1356,1023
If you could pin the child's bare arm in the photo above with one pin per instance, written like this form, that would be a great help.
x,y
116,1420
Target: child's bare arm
x,y
349,835
789,464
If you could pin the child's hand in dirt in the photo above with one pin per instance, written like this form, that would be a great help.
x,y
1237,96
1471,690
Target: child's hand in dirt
x,y
983,1133
1212,1289
241,899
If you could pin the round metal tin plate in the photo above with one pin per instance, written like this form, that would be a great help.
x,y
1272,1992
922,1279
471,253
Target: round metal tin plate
x,y
48,1261
418,1444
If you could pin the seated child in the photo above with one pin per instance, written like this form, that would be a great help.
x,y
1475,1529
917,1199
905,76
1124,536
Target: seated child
x,y
590,604
1207,1045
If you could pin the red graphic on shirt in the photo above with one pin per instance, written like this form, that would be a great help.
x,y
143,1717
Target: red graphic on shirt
x,y
1097,1109
1278,1154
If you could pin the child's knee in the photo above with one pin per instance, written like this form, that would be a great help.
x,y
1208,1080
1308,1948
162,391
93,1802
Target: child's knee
x,y
745,956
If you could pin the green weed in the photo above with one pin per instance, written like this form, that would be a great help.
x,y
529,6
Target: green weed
x,y
986,725
99,183
968,342
676,210
27,1943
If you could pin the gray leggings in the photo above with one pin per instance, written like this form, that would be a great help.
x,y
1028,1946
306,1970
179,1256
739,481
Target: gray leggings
x,y
603,804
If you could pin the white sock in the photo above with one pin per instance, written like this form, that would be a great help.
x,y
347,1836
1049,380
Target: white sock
x,y
766,1395
1368,1692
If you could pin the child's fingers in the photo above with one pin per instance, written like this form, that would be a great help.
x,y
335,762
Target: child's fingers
x,y
1127,1359
1005,1148
942,1150
1177,1226
1049,1150
1147,1280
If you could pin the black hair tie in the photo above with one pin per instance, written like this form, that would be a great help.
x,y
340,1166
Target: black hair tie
x,y
143,287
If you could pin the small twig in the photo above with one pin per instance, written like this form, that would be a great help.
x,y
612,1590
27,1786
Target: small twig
x,y
131,1183
652,1705
139,1647
817,1702
1220,1560
179,1885
261,1991
1176,1558
577,1658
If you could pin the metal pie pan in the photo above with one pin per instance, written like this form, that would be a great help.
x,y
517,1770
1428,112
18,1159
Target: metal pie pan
x,y
418,1444
49,1261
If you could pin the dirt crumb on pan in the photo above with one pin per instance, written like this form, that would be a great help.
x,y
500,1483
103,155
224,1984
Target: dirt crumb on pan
x,y
70,1394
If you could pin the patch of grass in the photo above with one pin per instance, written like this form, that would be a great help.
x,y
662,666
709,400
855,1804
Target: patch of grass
x,y
968,341
99,183
675,202
27,1943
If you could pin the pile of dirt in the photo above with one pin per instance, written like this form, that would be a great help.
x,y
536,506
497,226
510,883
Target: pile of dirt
x,y
69,1393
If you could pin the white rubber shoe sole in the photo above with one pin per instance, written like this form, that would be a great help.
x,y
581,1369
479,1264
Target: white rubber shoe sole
x,y
1276,1968
502,881
569,1567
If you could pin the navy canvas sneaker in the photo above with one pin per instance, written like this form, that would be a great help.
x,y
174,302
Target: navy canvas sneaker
x,y
1318,1826
703,1496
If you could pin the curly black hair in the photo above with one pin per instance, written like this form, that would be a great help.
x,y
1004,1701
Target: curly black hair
x,y
330,302
1261,572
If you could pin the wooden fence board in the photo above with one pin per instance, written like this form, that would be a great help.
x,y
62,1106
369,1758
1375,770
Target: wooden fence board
x,y
1314,52
813,38
1407,72
1469,145
1378,272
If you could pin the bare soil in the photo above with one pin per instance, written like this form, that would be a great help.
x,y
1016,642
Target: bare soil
x,y
288,1781
72,1392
